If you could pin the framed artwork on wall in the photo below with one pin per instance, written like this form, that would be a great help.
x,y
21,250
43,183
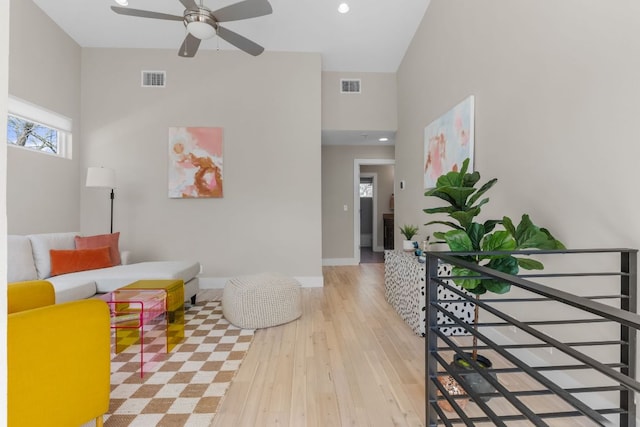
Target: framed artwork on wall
x,y
449,140
195,162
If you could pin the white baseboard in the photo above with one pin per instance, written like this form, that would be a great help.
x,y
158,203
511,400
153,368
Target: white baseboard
x,y
213,282
310,281
339,261
219,282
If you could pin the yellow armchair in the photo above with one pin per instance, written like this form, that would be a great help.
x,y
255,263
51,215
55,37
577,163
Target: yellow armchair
x,y
58,358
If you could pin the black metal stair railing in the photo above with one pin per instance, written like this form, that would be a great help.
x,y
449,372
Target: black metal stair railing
x,y
561,345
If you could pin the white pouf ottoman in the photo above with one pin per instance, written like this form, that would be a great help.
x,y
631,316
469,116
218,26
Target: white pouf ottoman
x,y
261,300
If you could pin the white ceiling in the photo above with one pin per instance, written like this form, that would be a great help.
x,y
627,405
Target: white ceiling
x,y
372,37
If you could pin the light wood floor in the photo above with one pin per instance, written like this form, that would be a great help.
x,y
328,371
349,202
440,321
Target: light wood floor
x,y
348,361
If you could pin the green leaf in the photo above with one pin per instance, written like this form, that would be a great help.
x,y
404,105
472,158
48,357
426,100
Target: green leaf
x,y
435,192
451,179
439,235
496,286
470,179
465,283
508,225
478,290
558,243
482,202
447,223
458,195
442,209
465,218
483,190
505,264
490,225
458,241
530,264
498,241
475,233
529,235
465,166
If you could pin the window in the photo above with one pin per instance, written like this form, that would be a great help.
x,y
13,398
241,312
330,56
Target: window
x,y
28,134
366,189
34,128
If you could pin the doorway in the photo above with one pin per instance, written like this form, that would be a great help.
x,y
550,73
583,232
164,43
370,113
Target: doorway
x,y
368,214
368,245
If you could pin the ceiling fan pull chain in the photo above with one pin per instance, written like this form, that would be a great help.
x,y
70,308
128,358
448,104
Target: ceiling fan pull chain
x,y
186,33
217,41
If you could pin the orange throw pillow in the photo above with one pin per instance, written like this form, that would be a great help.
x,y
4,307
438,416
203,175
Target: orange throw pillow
x,y
70,261
100,240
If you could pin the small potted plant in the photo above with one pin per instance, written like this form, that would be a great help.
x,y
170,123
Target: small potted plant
x,y
408,231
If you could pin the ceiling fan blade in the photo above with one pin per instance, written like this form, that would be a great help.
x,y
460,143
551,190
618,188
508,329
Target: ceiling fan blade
x,y
244,10
189,4
240,42
189,46
145,13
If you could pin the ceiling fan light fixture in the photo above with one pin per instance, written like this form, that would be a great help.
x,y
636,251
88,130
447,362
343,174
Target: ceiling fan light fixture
x,y
122,2
201,30
200,23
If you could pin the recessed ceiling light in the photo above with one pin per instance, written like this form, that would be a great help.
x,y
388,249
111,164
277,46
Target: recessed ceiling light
x,y
383,139
343,8
122,2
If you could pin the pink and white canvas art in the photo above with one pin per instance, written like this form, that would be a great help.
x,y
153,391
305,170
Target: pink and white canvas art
x,y
448,140
195,162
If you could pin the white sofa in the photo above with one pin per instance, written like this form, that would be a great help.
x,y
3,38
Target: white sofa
x,y
29,259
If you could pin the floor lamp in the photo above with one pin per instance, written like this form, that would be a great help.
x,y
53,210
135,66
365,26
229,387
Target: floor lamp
x,y
102,178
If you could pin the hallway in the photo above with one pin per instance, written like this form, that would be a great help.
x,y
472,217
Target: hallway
x,y
368,256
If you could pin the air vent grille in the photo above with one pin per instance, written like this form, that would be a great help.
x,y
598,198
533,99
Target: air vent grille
x,y
154,78
350,86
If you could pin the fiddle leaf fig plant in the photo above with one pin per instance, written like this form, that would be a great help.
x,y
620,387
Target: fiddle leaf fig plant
x,y
464,202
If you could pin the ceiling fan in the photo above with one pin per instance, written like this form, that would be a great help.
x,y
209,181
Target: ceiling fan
x,y
202,23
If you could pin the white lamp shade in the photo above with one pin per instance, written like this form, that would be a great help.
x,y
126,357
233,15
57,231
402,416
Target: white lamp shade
x,y
201,30
101,177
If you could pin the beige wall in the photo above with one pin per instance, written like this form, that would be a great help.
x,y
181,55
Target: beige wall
x,y
556,110
337,191
44,69
372,110
4,88
384,175
269,108
556,114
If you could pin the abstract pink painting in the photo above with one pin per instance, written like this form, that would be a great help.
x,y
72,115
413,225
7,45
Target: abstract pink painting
x,y
448,140
195,162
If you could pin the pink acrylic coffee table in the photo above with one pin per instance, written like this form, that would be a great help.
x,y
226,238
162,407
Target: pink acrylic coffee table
x,y
134,313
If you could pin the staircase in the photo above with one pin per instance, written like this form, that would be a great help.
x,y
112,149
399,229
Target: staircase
x,y
561,344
